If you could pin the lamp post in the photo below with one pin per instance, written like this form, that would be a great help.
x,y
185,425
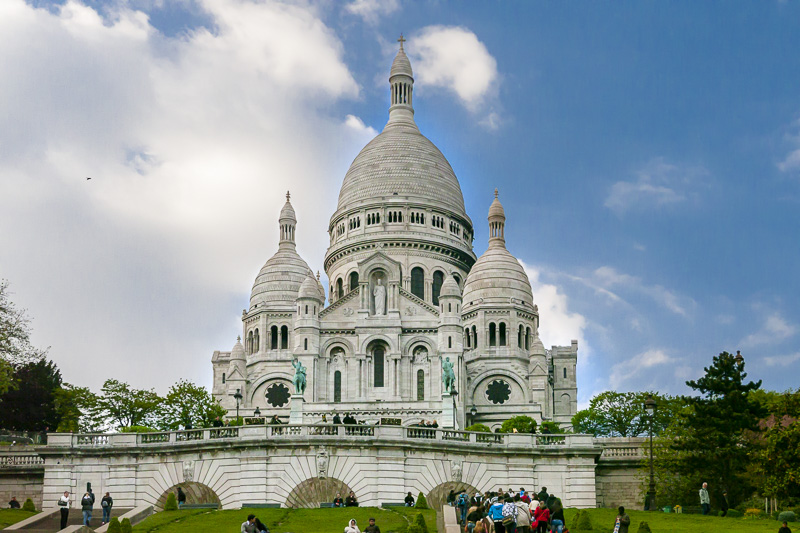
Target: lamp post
x,y
257,412
474,412
238,396
650,409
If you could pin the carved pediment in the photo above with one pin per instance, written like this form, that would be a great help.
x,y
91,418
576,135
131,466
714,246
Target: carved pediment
x,y
380,260
414,308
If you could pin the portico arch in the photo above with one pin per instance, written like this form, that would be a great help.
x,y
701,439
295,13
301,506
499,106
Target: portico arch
x,y
437,497
310,493
195,493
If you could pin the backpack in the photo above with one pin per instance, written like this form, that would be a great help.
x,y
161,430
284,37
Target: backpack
x,y
462,500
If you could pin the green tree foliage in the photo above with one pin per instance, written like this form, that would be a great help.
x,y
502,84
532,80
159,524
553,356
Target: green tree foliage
x,y
583,522
551,427
124,406
621,414
78,410
28,506
420,522
172,502
777,455
15,345
422,503
114,526
479,427
189,405
523,424
717,447
126,526
31,404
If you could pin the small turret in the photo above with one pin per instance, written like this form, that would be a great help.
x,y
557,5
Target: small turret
x,y
237,370
306,324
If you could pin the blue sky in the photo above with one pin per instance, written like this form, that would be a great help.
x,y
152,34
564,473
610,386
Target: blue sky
x,y
647,155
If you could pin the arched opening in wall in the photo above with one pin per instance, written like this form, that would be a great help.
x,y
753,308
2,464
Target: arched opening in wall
x,y
458,279
449,341
502,334
316,490
418,282
284,337
306,309
305,344
420,385
249,347
223,378
437,497
564,404
436,288
273,338
527,338
565,372
353,281
467,340
520,334
256,342
337,387
475,336
377,365
195,493
492,334
339,288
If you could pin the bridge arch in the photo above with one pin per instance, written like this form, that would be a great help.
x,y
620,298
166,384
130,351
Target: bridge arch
x,y
437,497
310,493
195,493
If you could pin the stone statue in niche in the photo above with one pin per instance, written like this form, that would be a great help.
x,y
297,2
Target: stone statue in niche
x,y
379,294
322,464
448,375
188,471
455,469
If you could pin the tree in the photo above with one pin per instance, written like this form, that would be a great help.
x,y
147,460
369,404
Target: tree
x,y
523,424
124,406
548,426
717,447
78,409
31,404
189,405
777,444
621,414
15,346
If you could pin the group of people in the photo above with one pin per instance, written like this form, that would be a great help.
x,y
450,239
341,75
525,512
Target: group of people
x,y
253,525
426,424
509,512
87,507
352,527
350,501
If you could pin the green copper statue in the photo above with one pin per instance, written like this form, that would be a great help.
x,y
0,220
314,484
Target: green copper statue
x,y
448,376
299,377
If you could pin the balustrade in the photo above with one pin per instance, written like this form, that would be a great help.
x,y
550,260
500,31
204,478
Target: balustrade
x,y
10,461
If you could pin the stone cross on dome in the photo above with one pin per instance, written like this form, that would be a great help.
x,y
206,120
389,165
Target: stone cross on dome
x,y
401,40
289,195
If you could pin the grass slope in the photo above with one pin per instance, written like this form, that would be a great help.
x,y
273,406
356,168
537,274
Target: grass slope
x,y
283,520
12,516
603,521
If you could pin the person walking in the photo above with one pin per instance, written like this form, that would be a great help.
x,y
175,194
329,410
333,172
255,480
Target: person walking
x,y
557,520
496,515
352,527
542,496
451,498
523,514
87,502
181,498
462,503
63,504
705,501
623,522
107,502
473,517
723,504
509,515
542,517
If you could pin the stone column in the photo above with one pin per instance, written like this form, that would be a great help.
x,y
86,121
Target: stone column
x,y
448,413
296,410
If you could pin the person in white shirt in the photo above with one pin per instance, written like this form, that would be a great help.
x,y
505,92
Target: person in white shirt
x,y
352,527
63,504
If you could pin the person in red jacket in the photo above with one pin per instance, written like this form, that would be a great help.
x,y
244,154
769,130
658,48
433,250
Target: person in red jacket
x,y
542,518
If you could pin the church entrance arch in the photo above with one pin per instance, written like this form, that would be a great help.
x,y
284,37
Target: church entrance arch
x,y
437,497
195,493
314,491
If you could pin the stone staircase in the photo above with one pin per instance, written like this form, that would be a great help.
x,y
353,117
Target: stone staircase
x,y
52,523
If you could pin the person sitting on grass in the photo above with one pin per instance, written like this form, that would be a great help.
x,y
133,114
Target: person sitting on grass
x,y
249,525
784,528
260,527
352,527
372,528
351,500
409,501
14,504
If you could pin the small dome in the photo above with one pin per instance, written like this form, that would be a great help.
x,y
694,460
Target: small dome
x,y
238,350
401,66
537,347
287,213
497,277
309,288
279,280
450,288
496,209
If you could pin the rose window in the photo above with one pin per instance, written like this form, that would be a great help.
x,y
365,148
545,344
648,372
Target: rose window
x,y
498,391
278,395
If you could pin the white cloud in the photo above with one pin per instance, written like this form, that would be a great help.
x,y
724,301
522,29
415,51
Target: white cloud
x,y
782,360
775,329
455,59
791,162
371,11
357,125
605,278
658,184
637,366
191,143
558,325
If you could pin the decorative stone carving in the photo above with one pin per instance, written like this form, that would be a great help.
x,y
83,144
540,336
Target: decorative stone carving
x,y
322,463
455,469
411,310
188,471
420,355
379,293
348,311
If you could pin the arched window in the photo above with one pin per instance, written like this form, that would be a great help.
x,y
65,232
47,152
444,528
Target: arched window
x,y
284,337
527,338
418,282
565,372
353,280
449,308
458,279
377,364
502,334
475,335
223,378
466,337
438,280
273,341
420,385
306,309
256,342
520,334
492,334
337,387
449,342
249,343
305,344
339,288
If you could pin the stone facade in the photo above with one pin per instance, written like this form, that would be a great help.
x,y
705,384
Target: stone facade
x,y
406,295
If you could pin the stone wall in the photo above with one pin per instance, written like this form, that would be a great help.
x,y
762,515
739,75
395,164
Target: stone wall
x,y
618,474
23,485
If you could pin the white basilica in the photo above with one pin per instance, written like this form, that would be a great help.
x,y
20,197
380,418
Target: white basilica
x,y
406,294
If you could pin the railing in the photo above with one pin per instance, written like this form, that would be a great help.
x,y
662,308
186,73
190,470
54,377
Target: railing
x,y
420,433
91,440
224,433
489,438
150,438
189,435
12,461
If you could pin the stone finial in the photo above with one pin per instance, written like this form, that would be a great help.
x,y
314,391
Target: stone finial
x,y
495,192
238,338
288,195
401,40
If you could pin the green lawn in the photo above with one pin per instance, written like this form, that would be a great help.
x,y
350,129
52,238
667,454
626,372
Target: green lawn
x,y
12,516
603,521
283,520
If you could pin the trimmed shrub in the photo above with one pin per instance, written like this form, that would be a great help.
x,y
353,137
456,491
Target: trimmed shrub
x,y
522,423
753,513
583,522
137,429
785,516
126,526
28,506
733,513
414,528
422,503
114,526
644,527
172,502
419,521
479,427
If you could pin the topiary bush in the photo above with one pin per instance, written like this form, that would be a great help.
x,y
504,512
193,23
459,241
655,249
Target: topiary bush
x,y
644,528
414,528
522,423
114,526
733,513
172,502
126,526
583,522
753,513
785,516
419,521
422,503
479,427
137,429
28,506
